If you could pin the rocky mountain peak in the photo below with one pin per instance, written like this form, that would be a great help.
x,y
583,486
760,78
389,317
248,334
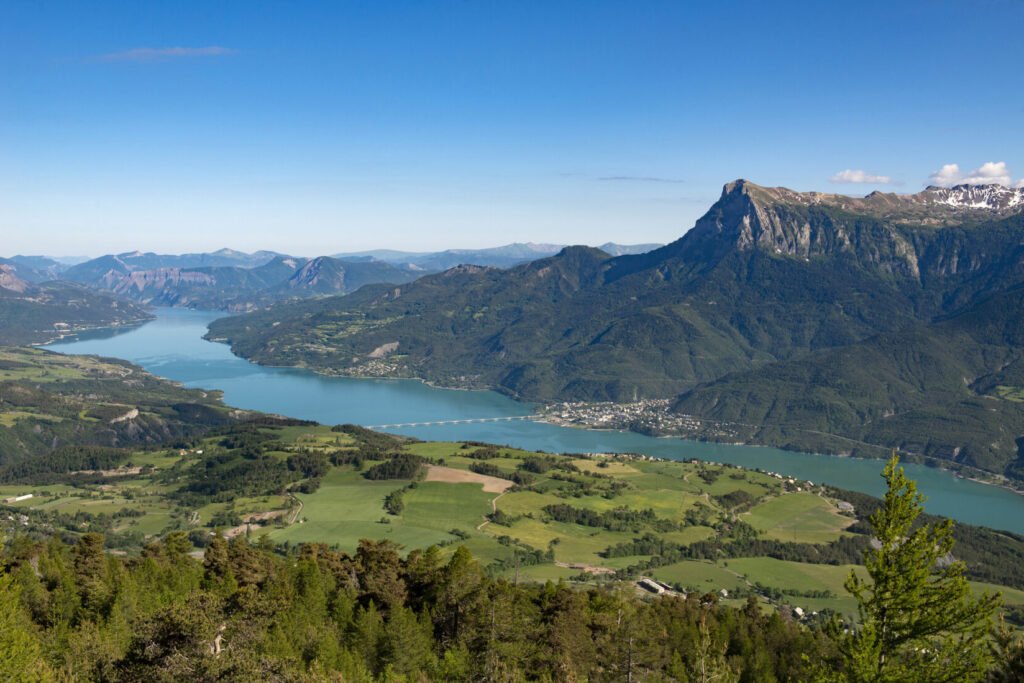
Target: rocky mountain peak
x,y
992,197
779,221
320,273
933,205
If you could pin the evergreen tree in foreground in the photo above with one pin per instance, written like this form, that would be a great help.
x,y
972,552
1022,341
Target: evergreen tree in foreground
x,y
20,654
919,621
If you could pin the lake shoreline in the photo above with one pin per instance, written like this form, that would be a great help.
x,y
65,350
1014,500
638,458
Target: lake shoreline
x,y
173,346
927,461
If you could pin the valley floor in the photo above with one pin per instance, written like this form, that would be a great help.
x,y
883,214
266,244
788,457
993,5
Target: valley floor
x,y
696,527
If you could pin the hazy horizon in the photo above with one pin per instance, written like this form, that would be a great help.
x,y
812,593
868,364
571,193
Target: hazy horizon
x,y
120,252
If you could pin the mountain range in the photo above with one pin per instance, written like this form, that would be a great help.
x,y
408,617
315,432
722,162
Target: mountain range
x,y
169,281
32,268
810,320
238,281
505,256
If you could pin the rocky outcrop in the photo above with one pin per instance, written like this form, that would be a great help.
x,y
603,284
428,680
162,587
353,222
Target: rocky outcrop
x,y
9,280
928,233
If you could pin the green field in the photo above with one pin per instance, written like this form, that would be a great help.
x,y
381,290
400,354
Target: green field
x,y
700,576
1015,394
798,516
566,514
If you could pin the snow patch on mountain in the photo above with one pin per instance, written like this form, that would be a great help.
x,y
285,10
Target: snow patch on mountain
x,y
992,197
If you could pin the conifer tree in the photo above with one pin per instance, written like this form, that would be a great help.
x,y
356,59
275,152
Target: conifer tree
x,y
20,653
91,574
709,663
918,618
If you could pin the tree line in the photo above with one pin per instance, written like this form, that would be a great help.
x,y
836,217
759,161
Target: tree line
x,y
253,612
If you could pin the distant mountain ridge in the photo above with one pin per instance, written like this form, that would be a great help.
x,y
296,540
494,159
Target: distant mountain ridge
x,y
229,287
237,281
505,256
32,268
768,281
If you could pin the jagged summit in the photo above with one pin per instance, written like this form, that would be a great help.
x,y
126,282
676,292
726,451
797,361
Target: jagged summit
x,y
937,206
989,196
992,197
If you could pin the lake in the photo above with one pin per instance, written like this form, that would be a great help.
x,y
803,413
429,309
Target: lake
x,y
172,346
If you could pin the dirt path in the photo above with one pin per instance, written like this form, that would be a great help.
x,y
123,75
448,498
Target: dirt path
x,y
294,517
494,508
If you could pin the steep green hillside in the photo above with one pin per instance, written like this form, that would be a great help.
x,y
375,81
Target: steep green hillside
x,y
52,406
32,314
949,390
767,276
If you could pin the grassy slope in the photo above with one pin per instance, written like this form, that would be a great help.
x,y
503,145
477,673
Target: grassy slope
x,y
347,508
49,400
803,516
688,501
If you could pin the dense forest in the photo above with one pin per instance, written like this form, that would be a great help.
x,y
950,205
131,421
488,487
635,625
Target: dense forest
x,y
253,612
246,613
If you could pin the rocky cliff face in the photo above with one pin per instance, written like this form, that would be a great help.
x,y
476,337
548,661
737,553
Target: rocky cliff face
x,y
159,278
10,280
939,231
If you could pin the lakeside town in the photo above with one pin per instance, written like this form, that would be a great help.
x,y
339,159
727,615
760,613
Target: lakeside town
x,y
651,416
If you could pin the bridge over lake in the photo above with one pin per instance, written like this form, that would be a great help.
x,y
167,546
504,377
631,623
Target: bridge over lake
x,y
173,346
466,421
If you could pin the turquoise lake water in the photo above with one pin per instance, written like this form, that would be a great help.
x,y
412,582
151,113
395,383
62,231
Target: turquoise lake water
x,y
172,346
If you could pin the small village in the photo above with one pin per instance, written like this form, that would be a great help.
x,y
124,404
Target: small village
x,y
649,416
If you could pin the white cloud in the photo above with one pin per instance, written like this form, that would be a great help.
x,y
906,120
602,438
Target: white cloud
x,y
989,173
857,176
946,176
153,54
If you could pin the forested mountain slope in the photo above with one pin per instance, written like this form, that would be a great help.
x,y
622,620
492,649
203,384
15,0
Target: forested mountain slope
x,y
35,313
768,275
56,409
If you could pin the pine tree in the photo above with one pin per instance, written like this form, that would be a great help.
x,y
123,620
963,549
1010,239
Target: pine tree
x,y
20,653
367,635
92,575
459,594
1008,652
406,644
215,560
379,564
709,663
918,618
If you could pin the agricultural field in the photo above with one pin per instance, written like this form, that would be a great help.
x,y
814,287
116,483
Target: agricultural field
x,y
798,517
696,527
38,365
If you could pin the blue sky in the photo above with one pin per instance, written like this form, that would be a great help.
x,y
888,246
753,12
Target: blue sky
x,y
323,127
